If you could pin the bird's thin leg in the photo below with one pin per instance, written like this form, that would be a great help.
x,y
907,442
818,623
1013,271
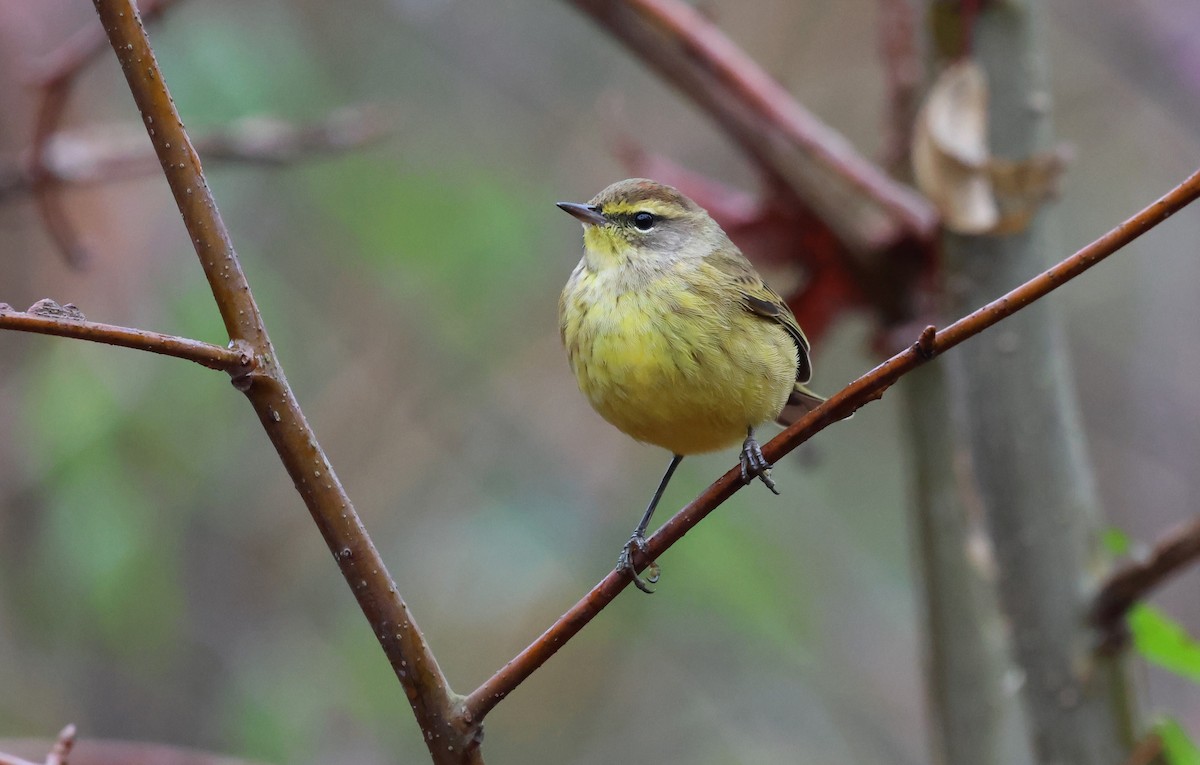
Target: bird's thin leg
x,y
754,464
638,539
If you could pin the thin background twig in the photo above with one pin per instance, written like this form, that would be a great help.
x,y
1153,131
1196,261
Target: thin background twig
x,y
94,159
1135,580
55,81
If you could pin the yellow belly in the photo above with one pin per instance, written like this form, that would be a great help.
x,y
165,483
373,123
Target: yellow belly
x,y
673,368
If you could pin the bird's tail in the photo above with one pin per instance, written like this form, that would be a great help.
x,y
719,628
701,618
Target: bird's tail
x,y
801,402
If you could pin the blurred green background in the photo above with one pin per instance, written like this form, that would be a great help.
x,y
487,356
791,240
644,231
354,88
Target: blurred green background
x,y
159,577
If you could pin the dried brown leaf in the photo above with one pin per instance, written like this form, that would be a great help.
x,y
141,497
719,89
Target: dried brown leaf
x,y
950,150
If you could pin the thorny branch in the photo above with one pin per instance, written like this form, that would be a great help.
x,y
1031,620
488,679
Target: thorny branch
x,y
857,394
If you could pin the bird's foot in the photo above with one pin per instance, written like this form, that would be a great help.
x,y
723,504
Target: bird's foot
x,y
625,563
755,465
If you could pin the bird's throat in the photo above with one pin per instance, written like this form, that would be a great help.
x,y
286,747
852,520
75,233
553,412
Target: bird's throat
x,y
604,248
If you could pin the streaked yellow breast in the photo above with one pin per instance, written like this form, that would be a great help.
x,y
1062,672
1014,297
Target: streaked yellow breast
x,y
672,360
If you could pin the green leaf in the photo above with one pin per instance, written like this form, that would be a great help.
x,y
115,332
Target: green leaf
x,y
1178,747
1116,541
1162,641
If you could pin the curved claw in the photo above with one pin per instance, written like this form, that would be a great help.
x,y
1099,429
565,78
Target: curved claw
x,y
754,464
625,563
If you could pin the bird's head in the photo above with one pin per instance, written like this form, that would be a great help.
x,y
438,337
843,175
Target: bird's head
x,y
638,222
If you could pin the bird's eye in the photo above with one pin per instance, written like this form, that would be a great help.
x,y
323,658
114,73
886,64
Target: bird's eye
x,y
644,221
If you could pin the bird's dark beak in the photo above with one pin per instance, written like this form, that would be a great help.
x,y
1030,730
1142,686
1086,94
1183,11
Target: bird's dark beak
x,y
588,214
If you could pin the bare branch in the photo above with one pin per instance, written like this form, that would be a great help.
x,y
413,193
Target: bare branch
x,y
1134,581
264,140
205,354
450,738
857,394
55,82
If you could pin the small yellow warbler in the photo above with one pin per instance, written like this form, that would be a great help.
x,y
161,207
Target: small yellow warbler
x,y
673,336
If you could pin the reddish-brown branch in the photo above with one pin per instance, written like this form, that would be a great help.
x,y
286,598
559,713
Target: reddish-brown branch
x,y
55,82
857,394
884,225
449,738
1134,581
206,354
254,140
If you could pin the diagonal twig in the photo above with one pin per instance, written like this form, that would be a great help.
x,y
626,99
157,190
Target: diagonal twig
x,y
1134,581
450,739
857,394
55,82
252,140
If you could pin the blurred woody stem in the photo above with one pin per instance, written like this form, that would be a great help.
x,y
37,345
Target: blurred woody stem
x,y
55,81
845,402
253,140
1132,582
885,228
903,75
449,739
